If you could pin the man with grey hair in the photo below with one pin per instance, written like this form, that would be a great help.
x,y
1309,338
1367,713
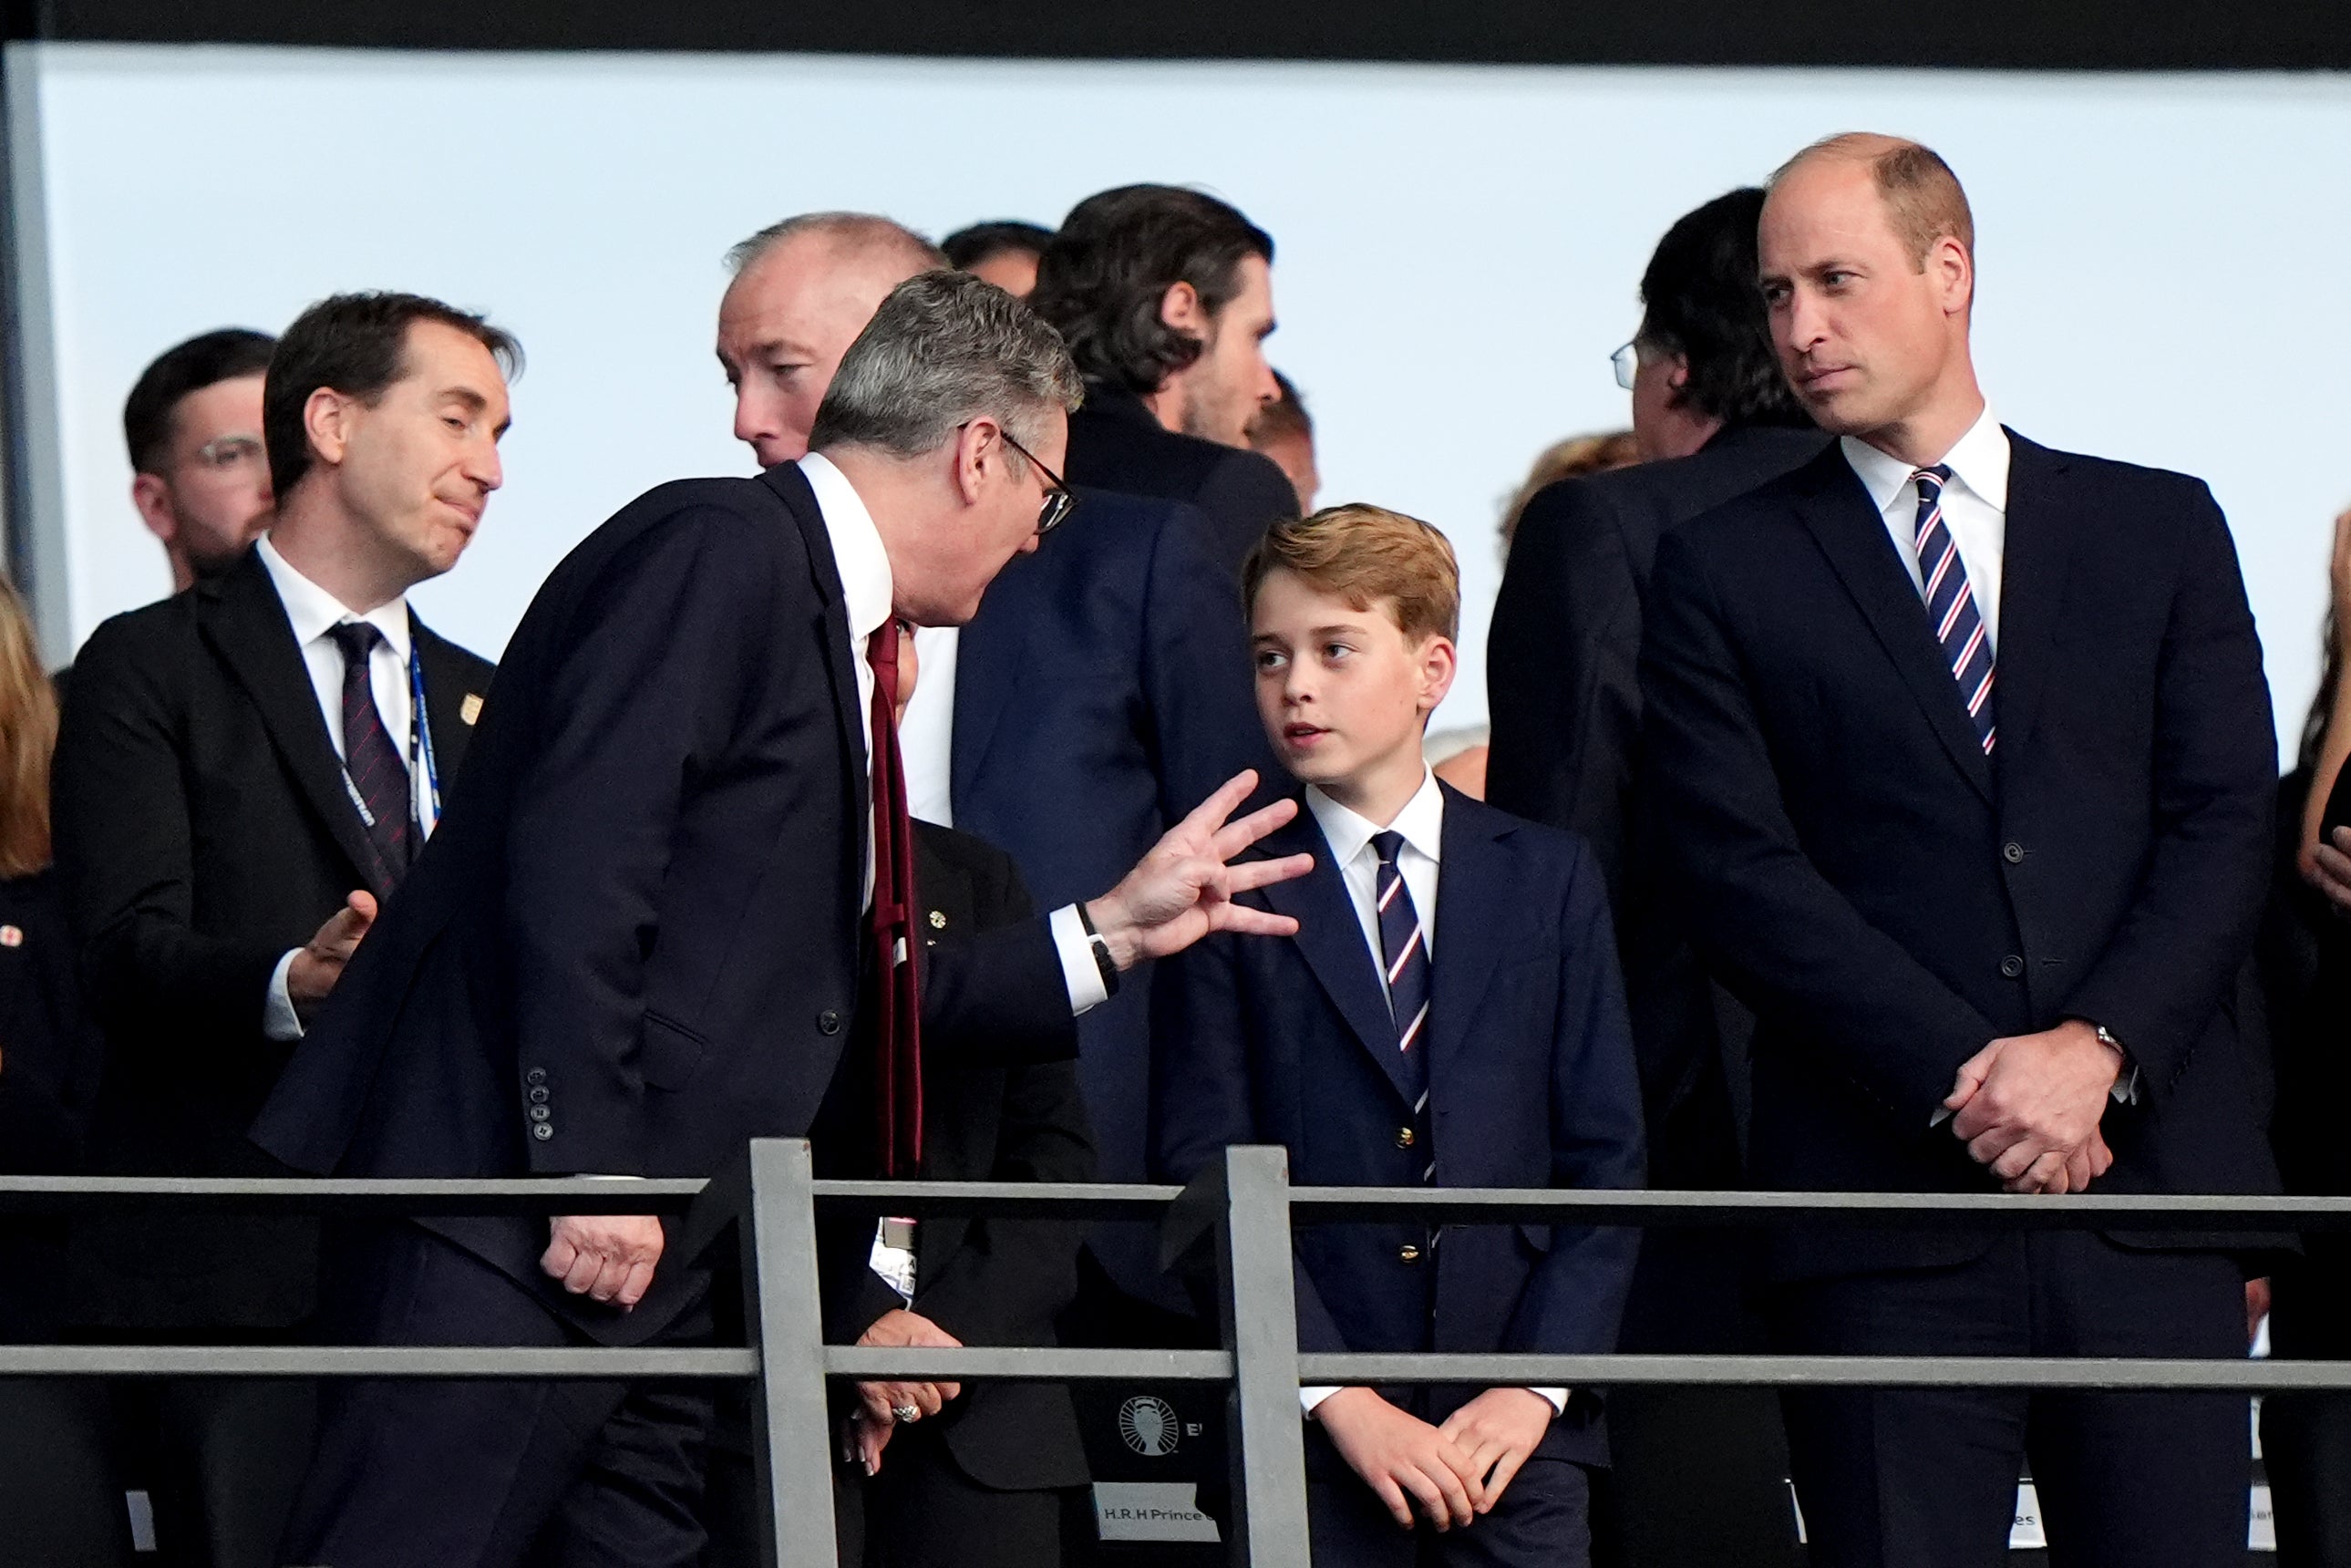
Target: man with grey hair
x,y
668,911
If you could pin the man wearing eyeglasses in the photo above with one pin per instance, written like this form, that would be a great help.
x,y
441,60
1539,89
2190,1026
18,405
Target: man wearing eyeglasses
x,y
1110,667
200,477
1713,419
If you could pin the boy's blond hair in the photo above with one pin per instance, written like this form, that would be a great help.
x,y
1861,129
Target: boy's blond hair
x,y
1364,554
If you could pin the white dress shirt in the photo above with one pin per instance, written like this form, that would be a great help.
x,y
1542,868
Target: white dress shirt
x,y
314,613
1975,508
1349,834
926,735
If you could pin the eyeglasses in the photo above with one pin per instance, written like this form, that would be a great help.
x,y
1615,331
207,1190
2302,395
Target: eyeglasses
x,y
1059,503
1627,360
227,452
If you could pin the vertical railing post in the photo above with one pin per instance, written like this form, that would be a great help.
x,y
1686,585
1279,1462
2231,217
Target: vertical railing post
x,y
783,1318
1257,1306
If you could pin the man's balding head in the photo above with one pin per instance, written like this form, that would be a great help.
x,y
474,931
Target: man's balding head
x,y
803,289
1924,201
1866,252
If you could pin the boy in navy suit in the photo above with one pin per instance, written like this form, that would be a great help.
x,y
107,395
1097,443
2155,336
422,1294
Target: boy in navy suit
x,y
1450,1011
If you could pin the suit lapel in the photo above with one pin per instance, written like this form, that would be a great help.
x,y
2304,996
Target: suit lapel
x,y
1851,532
246,626
2035,562
446,696
1330,939
989,658
839,658
1473,884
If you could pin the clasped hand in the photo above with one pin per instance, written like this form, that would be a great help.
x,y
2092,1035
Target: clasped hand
x,y
2028,1106
1456,1471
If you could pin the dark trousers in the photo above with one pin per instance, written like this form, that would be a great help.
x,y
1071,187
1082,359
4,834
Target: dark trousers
x,y
494,1473
1542,1521
1927,1479
60,1498
2306,1437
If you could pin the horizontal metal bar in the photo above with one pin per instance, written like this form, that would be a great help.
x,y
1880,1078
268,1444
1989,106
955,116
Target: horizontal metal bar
x,y
1310,1204
1035,1200
439,1195
1986,1211
367,1360
1832,1372
1041,1364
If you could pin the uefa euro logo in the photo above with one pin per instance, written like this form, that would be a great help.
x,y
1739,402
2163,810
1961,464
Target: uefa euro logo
x,y
1148,1425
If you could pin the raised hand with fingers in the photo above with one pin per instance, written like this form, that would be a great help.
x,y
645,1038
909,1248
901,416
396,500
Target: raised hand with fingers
x,y
319,963
1183,888
1403,1458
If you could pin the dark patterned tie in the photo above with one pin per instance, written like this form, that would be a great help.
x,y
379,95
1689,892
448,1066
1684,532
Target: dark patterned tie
x,y
377,773
898,1011
1404,950
1951,608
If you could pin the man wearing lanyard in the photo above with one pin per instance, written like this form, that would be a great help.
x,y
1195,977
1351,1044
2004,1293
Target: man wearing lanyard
x,y
243,774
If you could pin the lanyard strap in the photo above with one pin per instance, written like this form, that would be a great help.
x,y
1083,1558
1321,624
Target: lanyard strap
x,y
420,738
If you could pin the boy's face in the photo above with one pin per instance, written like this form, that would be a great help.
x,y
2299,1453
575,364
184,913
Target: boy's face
x,y
1343,694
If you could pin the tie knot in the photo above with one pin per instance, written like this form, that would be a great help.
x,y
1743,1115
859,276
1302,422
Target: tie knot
x,y
1388,845
882,658
357,639
1930,481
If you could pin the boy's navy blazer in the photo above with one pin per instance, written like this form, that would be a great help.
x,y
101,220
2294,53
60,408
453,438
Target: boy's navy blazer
x,y
1531,1085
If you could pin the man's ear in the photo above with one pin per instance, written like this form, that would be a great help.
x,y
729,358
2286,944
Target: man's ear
x,y
1955,271
1676,380
1180,309
328,420
979,447
153,499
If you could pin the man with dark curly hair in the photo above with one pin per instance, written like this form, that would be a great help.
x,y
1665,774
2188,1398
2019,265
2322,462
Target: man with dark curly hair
x,y
1165,298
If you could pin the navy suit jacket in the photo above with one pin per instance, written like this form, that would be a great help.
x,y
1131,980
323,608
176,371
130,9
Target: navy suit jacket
x,y
634,941
1118,443
1531,1085
1889,899
1109,670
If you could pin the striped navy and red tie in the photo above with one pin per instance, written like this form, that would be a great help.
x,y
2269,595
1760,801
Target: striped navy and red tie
x,y
1951,606
1404,950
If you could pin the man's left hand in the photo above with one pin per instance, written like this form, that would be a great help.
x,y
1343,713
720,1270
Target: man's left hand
x,y
880,1401
1498,1431
1184,889
2029,1107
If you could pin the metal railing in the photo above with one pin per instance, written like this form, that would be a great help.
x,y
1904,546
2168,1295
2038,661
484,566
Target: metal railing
x,y
1243,1209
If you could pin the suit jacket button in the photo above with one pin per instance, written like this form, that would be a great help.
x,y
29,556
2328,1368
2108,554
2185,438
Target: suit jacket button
x,y
1408,1253
2012,965
537,1075
542,1131
1404,1137
2013,852
540,1114
538,1096
827,1022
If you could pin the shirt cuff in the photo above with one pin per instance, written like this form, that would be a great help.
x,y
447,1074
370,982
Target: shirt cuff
x,y
1557,1397
1313,1395
278,1019
1079,971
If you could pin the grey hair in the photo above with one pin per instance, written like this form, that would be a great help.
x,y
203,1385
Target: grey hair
x,y
851,231
945,349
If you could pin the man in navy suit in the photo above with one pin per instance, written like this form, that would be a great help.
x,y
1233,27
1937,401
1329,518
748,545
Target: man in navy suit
x,y
671,909
1448,1011
1109,667
1965,767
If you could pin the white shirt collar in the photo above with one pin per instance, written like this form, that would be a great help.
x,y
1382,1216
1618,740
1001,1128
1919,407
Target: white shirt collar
x,y
312,610
867,588
1421,822
1978,460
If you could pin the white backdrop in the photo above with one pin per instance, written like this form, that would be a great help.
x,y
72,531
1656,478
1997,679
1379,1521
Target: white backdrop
x,y
2162,257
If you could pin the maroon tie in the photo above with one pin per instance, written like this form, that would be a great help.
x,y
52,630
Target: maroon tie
x,y
898,1012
